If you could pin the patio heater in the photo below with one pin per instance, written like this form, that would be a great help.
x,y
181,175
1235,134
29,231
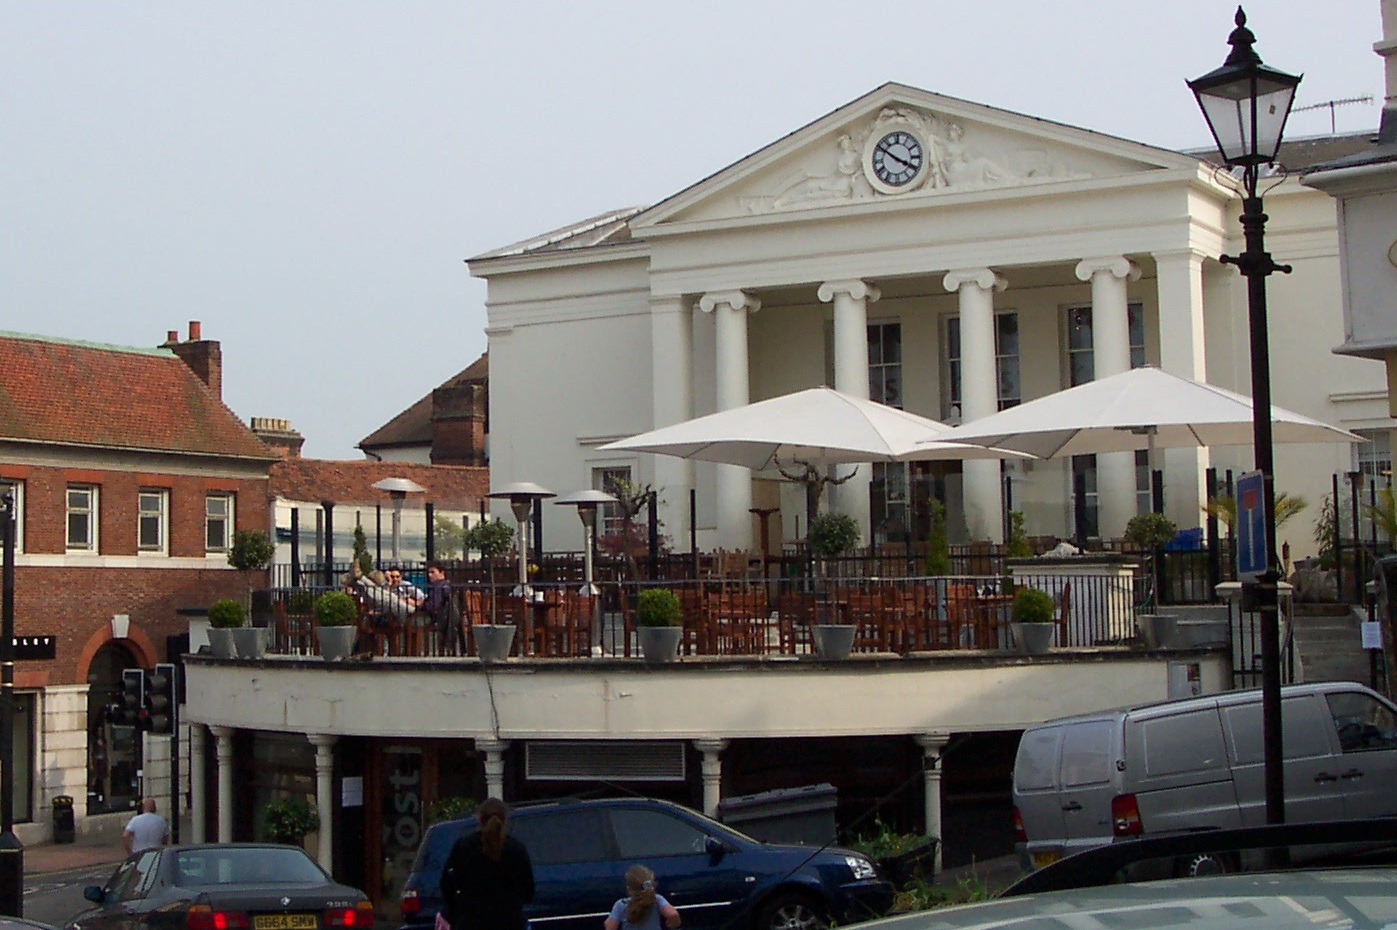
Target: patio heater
x,y
521,496
1246,105
587,503
398,489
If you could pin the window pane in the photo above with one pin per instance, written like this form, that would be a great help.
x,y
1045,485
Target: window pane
x,y
1079,329
77,530
892,344
1007,336
652,834
79,498
575,836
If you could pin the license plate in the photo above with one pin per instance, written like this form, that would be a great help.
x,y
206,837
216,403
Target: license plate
x,y
1040,859
285,922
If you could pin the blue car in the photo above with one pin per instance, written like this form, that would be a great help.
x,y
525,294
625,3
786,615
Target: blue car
x,y
715,876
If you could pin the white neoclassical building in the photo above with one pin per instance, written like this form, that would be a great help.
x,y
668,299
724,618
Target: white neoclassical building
x,y
936,254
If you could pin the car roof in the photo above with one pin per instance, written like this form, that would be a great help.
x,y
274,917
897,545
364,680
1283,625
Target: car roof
x,y
21,923
526,808
1215,699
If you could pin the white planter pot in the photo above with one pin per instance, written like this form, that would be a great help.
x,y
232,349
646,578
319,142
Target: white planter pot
x,y
834,640
221,643
660,644
1034,638
251,642
493,640
336,642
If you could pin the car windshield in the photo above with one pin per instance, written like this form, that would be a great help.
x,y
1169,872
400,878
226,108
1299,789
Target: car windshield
x,y
260,865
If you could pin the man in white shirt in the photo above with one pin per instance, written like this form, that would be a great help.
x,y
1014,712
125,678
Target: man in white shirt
x,y
147,830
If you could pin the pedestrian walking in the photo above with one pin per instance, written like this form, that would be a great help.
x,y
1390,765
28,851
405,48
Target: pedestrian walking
x,y
146,830
488,877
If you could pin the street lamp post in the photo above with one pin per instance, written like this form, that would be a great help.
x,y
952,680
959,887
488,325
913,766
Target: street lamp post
x,y
1246,105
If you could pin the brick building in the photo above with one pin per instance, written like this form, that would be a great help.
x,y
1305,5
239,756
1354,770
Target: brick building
x,y
129,477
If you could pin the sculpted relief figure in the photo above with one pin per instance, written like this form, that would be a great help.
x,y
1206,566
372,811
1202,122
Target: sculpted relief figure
x,y
960,166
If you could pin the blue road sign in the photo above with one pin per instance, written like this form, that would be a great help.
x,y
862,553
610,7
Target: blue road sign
x,y
1252,558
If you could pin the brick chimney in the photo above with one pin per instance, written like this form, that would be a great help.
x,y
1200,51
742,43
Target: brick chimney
x,y
203,356
458,424
278,434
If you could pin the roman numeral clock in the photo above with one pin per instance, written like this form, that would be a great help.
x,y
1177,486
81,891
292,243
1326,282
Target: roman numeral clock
x,y
895,160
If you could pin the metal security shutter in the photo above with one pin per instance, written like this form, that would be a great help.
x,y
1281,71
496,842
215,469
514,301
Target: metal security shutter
x,y
593,761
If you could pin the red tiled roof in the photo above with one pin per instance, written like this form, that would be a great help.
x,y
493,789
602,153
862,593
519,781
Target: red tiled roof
x,y
115,397
413,427
457,487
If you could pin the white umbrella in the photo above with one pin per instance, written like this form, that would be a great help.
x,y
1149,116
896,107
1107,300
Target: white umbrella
x,y
1137,409
818,425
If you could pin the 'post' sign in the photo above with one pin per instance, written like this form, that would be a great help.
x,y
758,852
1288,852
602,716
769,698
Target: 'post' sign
x,y
1252,558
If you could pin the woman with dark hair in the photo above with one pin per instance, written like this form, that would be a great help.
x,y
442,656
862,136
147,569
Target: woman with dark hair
x,y
643,908
488,877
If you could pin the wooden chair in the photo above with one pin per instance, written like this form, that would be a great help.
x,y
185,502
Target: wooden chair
x,y
692,606
295,633
960,615
795,623
737,622
1064,611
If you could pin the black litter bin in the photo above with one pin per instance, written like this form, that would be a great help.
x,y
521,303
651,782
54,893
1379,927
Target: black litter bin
x,y
63,829
787,815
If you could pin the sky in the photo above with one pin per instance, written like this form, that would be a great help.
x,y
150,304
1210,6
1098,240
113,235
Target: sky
x,y
307,178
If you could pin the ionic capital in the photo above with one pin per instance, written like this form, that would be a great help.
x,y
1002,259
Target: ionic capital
x,y
859,290
983,278
737,300
1115,265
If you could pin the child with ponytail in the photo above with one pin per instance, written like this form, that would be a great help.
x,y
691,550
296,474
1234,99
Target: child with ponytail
x,y
643,908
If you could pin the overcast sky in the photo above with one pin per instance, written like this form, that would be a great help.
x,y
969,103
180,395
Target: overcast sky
x,y
307,178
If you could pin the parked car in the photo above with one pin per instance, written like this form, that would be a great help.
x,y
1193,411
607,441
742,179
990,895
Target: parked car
x,y
234,886
714,875
1196,765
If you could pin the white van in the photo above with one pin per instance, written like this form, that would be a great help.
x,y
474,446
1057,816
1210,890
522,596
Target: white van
x,y
1196,764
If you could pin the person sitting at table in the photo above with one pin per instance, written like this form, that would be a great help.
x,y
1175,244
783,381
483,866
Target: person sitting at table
x,y
402,587
440,604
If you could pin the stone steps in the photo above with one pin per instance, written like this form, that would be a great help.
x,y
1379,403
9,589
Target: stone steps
x,y
1328,645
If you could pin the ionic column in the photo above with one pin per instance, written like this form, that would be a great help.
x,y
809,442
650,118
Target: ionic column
x,y
494,764
851,300
324,744
671,361
1179,286
932,744
712,769
223,748
1110,350
199,802
979,393
734,483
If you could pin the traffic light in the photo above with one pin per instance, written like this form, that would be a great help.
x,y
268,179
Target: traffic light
x,y
133,695
160,697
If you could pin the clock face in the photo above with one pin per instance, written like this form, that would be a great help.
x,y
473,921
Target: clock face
x,y
897,159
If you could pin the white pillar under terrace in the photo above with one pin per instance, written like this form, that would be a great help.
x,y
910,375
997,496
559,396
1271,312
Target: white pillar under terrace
x,y
324,744
223,748
672,368
732,378
494,764
851,300
932,745
1110,349
198,787
979,393
712,770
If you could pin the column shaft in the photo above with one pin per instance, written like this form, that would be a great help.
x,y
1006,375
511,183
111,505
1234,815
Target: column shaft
x,y
932,744
494,764
851,299
325,797
199,802
223,747
979,394
734,484
1110,348
712,770
671,341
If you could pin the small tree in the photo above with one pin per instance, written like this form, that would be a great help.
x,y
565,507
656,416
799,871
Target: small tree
x,y
450,536
1017,545
361,556
1325,525
631,500
1150,531
833,534
288,820
815,482
252,550
491,538
938,544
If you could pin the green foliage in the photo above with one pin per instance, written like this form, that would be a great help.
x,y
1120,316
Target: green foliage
x,y
885,841
449,537
921,895
1017,546
1325,524
1383,513
335,608
631,500
288,820
1149,531
452,808
361,555
1225,508
1033,606
833,534
300,601
657,607
226,614
251,550
489,537
938,544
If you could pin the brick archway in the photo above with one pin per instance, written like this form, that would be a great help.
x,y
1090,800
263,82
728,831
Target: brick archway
x,y
136,640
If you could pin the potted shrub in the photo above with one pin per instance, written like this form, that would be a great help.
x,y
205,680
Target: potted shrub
x,y
289,820
657,619
1033,620
491,538
225,616
832,535
336,624
1149,532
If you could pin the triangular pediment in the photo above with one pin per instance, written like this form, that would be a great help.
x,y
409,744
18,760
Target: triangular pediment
x,y
904,144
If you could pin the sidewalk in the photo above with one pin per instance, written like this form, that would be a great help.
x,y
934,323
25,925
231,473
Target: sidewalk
x,y
61,857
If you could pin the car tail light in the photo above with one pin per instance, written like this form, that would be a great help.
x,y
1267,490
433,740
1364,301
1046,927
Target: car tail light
x,y
360,915
203,917
412,904
1125,816
1019,833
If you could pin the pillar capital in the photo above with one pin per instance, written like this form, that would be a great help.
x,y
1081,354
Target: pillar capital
x,y
737,300
1118,266
490,745
322,740
855,288
983,278
932,741
710,745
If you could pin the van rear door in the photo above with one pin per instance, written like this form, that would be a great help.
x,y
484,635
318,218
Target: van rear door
x,y
1036,792
1088,782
